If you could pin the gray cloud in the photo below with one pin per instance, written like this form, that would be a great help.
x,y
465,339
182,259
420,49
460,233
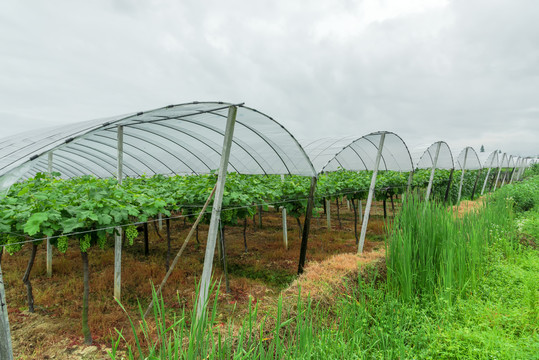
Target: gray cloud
x,y
460,71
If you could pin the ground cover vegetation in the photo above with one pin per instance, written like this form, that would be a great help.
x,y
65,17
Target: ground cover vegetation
x,y
98,205
449,293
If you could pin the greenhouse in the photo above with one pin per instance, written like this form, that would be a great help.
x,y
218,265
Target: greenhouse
x,y
376,151
191,138
104,179
437,156
491,161
177,139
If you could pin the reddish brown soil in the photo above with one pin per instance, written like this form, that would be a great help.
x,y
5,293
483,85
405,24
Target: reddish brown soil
x,y
54,331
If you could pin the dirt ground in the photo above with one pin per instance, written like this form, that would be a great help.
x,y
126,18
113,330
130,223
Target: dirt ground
x,y
267,268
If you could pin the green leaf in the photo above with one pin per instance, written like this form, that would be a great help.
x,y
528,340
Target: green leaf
x,y
32,225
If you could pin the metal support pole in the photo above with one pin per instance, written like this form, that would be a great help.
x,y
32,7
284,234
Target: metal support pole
x,y
306,226
216,214
511,175
160,221
285,228
49,257
447,190
410,179
431,179
6,349
499,171
360,210
365,222
522,169
462,175
328,213
118,235
488,173
475,183
504,177
517,165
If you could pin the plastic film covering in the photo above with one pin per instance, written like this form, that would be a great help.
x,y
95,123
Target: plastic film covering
x,y
508,161
445,157
489,160
321,151
472,160
360,154
177,139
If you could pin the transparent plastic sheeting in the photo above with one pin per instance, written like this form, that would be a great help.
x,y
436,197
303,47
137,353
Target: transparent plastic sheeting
x,y
359,154
507,161
472,160
177,139
490,160
445,157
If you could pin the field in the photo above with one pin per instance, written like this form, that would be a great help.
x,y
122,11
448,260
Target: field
x,y
261,272
435,280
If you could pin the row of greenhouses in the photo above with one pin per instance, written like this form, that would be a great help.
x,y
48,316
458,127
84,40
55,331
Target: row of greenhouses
x,y
97,179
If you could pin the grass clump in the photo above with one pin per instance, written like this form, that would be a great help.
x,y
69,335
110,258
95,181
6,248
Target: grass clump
x,y
458,286
434,253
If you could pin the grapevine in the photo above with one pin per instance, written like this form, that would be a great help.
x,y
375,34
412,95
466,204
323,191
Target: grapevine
x,y
61,244
85,242
131,233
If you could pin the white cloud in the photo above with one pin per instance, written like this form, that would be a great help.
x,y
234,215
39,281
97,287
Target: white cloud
x,y
461,71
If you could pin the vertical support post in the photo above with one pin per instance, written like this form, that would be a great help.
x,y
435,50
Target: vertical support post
x,y
285,228
446,197
522,169
517,165
475,183
504,176
6,349
160,221
488,173
49,246
306,226
328,213
499,171
216,214
365,222
118,233
462,174
223,250
410,179
511,175
431,179
360,210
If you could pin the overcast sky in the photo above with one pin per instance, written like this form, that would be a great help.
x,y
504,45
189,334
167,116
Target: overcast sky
x,y
464,71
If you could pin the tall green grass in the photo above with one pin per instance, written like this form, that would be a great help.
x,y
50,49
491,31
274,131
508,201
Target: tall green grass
x,y
435,252
168,336
471,262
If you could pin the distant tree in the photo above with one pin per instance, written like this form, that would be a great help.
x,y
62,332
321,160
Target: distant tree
x,y
482,149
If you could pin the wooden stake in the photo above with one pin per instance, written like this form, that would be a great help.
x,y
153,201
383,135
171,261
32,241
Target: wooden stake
x,y
6,349
306,226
